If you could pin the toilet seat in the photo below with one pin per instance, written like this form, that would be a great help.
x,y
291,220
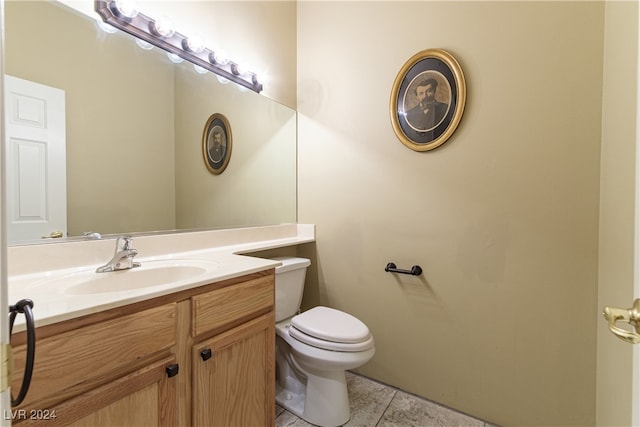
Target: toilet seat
x,y
331,329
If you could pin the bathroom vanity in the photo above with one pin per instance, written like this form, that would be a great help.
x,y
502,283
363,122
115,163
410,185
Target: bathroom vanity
x,y
198,353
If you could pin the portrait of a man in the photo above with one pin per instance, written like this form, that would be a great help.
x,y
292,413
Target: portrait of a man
x,y
427,99
425,110
216,145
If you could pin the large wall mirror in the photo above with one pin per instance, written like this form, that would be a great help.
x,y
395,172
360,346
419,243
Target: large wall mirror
x,y
133,132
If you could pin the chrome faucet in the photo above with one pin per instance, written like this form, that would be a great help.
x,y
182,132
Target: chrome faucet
x,y
122,258
92,235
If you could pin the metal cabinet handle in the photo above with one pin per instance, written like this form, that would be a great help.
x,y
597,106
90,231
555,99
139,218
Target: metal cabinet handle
x,y
24,306
206,354
629,315
172,370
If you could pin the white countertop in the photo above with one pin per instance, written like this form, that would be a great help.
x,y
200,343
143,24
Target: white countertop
x,y
52,303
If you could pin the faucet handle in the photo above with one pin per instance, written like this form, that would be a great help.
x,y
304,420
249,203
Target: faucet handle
x,y
123,257
124,243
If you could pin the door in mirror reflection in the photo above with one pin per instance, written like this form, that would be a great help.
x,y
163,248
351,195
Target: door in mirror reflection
x,y
36,160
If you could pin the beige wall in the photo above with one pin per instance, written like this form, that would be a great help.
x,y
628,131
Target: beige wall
x,y
617,199
503,218
259,184
262,36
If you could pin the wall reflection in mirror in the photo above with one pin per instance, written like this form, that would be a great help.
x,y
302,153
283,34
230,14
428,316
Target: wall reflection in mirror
x,y
134,123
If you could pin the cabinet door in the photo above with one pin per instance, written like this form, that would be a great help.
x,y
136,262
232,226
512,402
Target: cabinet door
x,y
234,377
146,397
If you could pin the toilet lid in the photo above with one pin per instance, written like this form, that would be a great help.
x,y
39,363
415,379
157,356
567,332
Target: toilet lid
x,y
328,324
331,345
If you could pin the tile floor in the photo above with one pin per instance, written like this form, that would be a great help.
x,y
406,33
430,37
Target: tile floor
x,y
377,405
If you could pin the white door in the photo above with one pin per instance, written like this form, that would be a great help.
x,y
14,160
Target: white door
x,y
35,160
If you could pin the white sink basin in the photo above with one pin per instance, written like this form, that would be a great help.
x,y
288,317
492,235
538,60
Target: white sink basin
x,y
150,274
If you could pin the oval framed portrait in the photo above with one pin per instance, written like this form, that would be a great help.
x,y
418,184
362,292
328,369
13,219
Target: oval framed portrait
x,y
427,99
216,143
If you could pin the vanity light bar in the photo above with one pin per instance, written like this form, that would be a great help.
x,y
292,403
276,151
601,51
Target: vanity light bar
x,y
143,27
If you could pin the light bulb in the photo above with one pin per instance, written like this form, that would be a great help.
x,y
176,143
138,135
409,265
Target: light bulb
x,y
162,27
127,8
241,71
199,69
174,58
223,80
193,43
219,57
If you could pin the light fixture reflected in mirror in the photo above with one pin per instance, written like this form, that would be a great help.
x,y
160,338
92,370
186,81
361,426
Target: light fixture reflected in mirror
x,y
199,69
107,28
174,58
144,45
123,15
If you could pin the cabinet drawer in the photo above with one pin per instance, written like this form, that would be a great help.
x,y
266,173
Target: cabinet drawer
x,y
223,306
69,363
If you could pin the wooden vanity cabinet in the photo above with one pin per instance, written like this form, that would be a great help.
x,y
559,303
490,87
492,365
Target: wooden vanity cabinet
x,y
233,370
203,356
85,369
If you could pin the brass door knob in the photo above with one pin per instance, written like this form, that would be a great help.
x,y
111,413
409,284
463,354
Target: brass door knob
x,y
630,316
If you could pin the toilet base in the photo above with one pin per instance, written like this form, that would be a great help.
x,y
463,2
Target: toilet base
x,y
311,381
324,401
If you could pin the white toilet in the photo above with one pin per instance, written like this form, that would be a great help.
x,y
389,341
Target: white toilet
x,y
313,351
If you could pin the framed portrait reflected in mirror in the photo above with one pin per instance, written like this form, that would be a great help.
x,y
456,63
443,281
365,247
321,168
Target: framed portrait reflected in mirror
x,y
216,143
427,99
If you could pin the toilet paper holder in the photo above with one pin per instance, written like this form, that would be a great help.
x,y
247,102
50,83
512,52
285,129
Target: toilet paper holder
x,y
416,270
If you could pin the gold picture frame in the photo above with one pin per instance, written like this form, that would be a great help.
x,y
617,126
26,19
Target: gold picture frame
x,y
217,143
427,99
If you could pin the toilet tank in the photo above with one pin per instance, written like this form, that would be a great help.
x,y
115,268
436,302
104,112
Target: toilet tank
x,y
289,285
